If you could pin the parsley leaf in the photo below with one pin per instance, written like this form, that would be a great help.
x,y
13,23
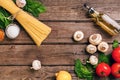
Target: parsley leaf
x,y
104,58
34,7
4,21
115,44
82,71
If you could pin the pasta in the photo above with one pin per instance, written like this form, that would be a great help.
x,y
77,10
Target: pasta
x,y
36,29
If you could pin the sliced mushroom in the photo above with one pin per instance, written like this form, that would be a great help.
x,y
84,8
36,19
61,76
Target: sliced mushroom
x,y
103,47
91,49
95,39
78,36
93,60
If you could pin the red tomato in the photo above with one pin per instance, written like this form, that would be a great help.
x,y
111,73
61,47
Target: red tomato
x,y
115,70
103,70
116,54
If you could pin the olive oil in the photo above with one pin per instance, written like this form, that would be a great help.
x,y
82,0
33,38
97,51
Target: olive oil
x,y
104,21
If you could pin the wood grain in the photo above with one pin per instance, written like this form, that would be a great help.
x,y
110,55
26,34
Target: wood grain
x,y
73,9
25,73
62,32
45,73
58,51
47,54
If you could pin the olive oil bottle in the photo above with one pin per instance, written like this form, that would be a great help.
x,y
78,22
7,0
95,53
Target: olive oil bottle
x,y
104,21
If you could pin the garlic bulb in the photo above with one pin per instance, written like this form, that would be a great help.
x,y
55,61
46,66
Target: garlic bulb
x,y
103,47
21,3
12,31
36,65
78,36
93,60
91,49
95,39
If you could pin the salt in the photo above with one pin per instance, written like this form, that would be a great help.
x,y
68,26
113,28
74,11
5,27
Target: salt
x,y
12,31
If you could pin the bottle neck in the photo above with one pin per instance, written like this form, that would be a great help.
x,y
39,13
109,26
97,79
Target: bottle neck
x,y
93,13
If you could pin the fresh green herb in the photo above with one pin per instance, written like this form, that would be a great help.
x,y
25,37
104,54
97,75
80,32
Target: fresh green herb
x,y
90,67
104,58
34,7
82,71
4,21
115,44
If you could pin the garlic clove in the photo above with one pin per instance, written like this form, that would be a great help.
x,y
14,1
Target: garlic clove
x,y
103,47
93,60
91,49
12,31
95,39
21,3
78,36
36,65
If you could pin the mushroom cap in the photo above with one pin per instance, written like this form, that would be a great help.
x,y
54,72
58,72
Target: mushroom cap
x,y
93,60
95,39
91,48
36,65
78,36
21,3
103,47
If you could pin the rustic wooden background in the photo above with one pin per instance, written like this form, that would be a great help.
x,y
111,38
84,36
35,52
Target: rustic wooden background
x,y
58,51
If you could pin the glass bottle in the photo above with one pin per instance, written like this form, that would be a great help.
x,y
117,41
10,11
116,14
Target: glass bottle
x,y
104,21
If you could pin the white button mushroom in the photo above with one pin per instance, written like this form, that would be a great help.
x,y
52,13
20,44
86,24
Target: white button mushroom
x,y
36,65
93,60
91,49
95,39
12,31
78,36
21,3
103,47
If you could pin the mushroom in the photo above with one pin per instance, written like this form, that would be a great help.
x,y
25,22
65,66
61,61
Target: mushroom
x,y
36,65
95,39
103,47
91,49
21,3
93,60
78,36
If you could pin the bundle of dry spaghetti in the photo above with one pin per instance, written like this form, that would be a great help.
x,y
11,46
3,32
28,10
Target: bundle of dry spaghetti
x,y
36,29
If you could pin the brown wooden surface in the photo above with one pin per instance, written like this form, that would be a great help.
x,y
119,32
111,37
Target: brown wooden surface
x,y
58,51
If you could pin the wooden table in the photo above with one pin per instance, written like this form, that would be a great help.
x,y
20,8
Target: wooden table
x,y
58,51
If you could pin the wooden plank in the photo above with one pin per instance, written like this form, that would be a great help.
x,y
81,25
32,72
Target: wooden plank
x,y
45,73
47,54
73,9
62,32
24,72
